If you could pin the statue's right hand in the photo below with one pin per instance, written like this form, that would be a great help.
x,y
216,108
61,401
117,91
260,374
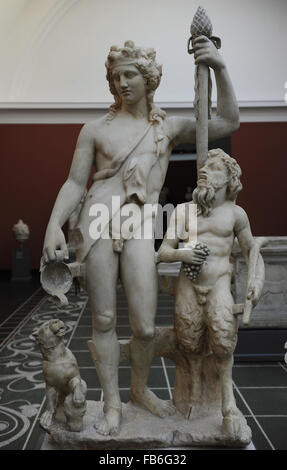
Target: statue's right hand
x,y
54,240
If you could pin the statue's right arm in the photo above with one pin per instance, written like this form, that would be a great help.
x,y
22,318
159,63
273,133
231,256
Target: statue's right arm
x,y
70,194
226,120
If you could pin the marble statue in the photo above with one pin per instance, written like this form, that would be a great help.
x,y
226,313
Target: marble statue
x,y
130,147
205,325
64,385
21,267
21,231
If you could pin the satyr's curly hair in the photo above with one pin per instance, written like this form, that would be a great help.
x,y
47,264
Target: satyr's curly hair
x,y
234,172
144,61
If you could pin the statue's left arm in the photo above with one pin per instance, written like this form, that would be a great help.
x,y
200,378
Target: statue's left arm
x,y
169,252
226,120
248,244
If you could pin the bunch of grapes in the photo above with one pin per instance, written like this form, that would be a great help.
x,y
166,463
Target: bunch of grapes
x,y
192,270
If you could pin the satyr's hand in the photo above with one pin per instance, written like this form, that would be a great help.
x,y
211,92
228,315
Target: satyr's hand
x,y
205,52
54,240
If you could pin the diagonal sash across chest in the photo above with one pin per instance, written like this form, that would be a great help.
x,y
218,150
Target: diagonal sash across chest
x,y
119,160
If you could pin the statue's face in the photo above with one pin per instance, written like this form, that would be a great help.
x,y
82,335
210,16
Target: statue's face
x,y
129,83
214,173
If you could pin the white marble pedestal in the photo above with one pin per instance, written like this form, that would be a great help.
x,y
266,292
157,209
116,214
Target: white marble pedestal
x,y
142,430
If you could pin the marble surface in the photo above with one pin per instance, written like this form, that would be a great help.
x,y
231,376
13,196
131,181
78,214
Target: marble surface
x,y
140,429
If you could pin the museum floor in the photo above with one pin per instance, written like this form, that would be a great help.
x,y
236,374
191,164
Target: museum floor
x,y
260,387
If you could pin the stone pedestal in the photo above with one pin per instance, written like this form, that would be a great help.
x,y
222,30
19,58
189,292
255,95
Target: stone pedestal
x,y
270,312
21,269
142,430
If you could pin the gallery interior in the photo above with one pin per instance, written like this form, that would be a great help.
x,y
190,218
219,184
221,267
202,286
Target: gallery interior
x,y
53,80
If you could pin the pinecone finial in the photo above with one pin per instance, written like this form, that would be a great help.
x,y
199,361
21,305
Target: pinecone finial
x,y
201,24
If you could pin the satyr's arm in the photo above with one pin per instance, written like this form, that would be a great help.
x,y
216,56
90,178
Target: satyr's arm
x,y
247,244
169,252
70,194
226,120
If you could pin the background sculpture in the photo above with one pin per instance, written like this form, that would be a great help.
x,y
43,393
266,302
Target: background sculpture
x,y
21,255
21,231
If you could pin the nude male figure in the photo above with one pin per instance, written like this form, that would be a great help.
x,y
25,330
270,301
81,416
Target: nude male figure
x,y
203,306
137,176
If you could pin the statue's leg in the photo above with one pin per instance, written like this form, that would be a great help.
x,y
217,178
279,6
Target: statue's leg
x,y
190,332
139,277
222,326
75,404
188,383
78,389
51,406
102,276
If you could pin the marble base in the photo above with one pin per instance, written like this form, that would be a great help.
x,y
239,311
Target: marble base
x,y
142,430
270,312
21,269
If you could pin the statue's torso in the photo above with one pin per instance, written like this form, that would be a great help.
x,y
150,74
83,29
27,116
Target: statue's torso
x,y
217,232
113,137
112,141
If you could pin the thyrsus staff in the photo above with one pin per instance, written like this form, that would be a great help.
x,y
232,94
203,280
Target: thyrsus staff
x,y
201,28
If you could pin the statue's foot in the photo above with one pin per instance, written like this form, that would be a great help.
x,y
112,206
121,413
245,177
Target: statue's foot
x,y
152,403
109,425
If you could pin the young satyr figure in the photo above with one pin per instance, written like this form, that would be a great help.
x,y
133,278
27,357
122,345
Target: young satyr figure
x,y
130,147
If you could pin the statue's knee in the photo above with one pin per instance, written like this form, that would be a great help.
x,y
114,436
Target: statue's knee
x,y
222,340
223,350
104,321
144,333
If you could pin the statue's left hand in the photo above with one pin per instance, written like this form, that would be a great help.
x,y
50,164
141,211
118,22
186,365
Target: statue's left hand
x,y
253,293
206,52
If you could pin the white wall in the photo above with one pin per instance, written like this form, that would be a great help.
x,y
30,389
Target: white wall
x,y
55,50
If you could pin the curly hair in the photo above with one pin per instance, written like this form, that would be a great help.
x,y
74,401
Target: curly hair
x,y
144,61
234,172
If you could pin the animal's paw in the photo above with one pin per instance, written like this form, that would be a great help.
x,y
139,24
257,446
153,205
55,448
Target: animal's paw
x,y
46,419
79,394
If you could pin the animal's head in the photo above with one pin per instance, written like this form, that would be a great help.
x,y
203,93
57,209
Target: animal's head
x,y
50,334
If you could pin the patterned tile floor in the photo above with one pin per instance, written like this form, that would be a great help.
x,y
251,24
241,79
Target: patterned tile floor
x,y
260,388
